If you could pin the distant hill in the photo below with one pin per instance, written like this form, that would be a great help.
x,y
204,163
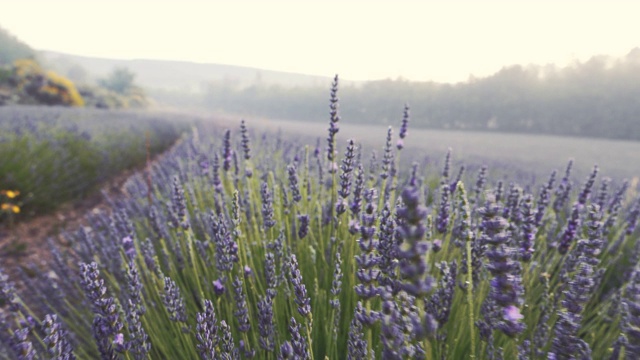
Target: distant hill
x,y
12,48
182,75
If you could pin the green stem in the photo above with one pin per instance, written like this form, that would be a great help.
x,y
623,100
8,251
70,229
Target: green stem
x,y
470,300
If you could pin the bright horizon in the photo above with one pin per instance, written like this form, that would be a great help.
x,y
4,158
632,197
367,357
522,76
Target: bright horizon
x,y
360,40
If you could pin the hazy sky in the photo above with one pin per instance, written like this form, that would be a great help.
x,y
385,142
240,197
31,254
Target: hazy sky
x,y
360,40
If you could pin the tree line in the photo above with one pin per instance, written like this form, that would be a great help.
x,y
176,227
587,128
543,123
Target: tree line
x,y
595,98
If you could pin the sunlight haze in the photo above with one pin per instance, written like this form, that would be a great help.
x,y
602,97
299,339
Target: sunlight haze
x,y
360,40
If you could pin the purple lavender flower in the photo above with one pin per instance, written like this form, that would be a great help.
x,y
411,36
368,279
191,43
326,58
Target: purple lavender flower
x,y
614,208
632,218
571,231
173,301
129,247
588,185
563,190
356,202
286,351
298,341
245,141
439,304
367,273
227,153
373,166
497,193
462,229
303,301
403,128
566,342
8,294
333,124
224,244
356,345
345,178
22,347
293,183
387,249
446,167
56,338
454,183
228,349
391,332
266,326
511,210
544,199
303,227
442,221
218,287
179,205
528,228
267,206
506,286
387,158
412,250
270,274
135,309
206,332
217,183
480,182
603,193
242,312
106,323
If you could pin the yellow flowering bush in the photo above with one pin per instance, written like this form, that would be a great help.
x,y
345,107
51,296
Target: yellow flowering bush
x,y
44,86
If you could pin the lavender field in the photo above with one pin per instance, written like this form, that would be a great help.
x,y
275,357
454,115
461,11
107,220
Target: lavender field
x,y
244,242
527,154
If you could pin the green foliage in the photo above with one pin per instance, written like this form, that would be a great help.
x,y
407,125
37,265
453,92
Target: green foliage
x,y
55,156
121,81
118,90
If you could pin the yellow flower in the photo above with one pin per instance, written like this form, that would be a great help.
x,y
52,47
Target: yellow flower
x,y
10,207
12,193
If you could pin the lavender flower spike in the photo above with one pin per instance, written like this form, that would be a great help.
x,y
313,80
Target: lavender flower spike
x,y
303,301
333,124
413,247
206,332
403,127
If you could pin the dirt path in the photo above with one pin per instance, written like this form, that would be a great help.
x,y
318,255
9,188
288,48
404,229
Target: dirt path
x,y
27,244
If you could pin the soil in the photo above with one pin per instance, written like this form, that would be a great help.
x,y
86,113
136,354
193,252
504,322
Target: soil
x,y
26,242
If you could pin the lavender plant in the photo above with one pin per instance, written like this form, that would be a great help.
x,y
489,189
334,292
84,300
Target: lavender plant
x,y
269,266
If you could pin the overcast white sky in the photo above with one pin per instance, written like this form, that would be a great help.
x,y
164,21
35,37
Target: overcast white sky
x,y
444,41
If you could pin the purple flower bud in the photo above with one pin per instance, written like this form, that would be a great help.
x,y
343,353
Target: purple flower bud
x,y
436,245
129,247
303,228
218,287
247,271
118,339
